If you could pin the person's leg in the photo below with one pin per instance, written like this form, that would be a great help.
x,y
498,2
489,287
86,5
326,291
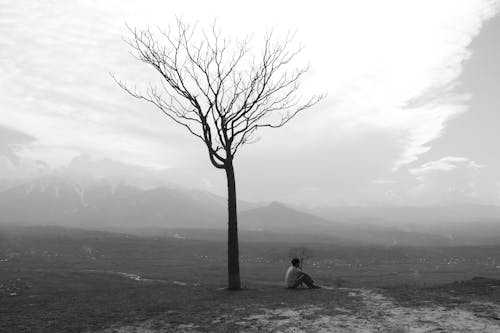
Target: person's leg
x,y
297,283
304,278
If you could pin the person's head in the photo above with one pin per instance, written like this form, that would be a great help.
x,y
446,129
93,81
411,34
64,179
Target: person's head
x,y
296,262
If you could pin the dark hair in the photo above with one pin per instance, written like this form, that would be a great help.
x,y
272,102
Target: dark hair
x,y
295,261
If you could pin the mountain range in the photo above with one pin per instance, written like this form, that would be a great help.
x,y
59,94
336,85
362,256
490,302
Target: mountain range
x,y
100,204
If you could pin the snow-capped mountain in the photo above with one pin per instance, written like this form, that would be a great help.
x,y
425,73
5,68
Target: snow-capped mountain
x,y
58,200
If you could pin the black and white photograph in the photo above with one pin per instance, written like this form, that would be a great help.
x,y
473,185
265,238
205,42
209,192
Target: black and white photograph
x,y
249,166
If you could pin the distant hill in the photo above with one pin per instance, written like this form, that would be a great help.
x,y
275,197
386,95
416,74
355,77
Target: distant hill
x,y
279,218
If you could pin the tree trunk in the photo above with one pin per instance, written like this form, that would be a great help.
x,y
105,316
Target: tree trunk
x,y
233,258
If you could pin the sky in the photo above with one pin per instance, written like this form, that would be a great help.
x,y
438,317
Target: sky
x,y
410,116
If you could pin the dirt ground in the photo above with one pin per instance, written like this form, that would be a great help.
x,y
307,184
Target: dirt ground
x,y
327,310
109,302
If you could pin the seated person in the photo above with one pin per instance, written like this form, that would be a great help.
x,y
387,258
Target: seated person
x,y
295,277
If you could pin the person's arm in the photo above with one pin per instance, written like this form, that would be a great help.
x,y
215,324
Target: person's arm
x,y
300,272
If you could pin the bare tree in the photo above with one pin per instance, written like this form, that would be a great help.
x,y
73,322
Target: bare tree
x,y
222,93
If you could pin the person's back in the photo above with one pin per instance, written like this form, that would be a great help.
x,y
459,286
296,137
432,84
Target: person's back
x,y
292,274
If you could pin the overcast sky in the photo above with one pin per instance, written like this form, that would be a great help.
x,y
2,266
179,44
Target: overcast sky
x,y
411,115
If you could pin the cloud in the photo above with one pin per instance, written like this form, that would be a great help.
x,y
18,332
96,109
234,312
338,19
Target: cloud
x,y
383,181
85,168
403,79
448,163
391,82
11,140
497,196
447,180
57,85
13,164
